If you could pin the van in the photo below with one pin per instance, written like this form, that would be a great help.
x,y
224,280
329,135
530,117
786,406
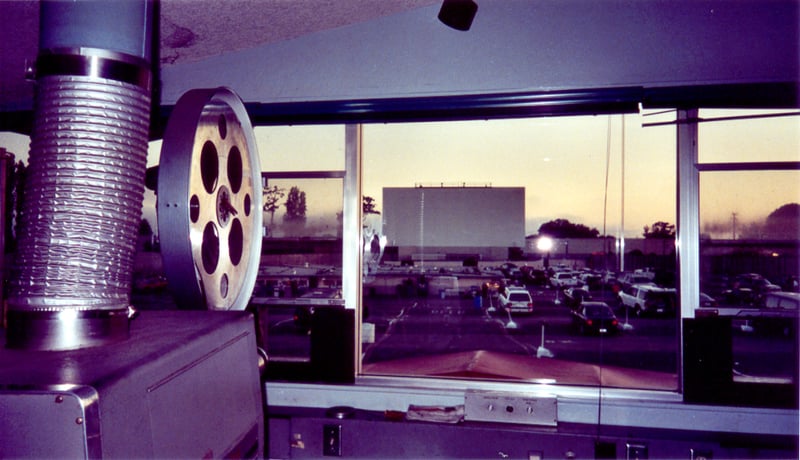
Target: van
x,y
648,299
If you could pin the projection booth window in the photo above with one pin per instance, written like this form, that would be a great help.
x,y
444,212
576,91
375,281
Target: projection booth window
x,y
523,249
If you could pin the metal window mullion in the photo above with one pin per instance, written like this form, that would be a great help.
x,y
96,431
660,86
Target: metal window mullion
x,y
351,231
688,228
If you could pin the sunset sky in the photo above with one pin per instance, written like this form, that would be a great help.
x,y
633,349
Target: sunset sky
x,y
561,162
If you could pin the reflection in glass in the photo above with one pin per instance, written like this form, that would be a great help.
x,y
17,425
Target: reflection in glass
x,y
301,148
301,262
748,135
749,263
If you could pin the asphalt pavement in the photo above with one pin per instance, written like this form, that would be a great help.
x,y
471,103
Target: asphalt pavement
x,y
408,327
431,325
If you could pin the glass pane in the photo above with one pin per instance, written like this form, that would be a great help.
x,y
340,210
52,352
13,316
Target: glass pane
x,y
747,138
749,263
301,262
319,212
301,148
466,286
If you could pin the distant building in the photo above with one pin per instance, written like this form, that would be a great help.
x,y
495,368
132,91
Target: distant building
x,y
454,222
572,248
603,253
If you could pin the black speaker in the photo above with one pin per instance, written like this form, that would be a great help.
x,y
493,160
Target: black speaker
x,y
333,345
708,363
708,359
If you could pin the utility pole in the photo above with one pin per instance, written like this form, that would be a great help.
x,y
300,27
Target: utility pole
x,y
733,218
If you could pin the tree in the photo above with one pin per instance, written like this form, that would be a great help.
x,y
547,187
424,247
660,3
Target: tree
x,y
783,222
272,195
368,205
146,235
659,229
562,228
295,206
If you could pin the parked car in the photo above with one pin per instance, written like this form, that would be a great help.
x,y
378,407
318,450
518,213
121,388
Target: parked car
x,y
516,299
715,285
592,281
778,314
786,302
791,284
757,284
594,318
562,280
511,271
737,296
706,301
575,296
534,276
648,299
629,279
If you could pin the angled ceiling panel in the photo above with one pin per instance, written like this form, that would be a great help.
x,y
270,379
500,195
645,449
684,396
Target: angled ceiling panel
x,y
192,30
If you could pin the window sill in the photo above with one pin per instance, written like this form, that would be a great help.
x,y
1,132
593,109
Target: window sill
x,y
631,408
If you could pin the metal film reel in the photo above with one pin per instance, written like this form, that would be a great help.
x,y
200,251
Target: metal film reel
x,y
209,202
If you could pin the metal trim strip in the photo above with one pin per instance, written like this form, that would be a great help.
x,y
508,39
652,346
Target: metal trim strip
x,y
88,62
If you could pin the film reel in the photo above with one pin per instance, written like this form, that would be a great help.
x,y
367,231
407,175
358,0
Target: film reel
x,y
210,202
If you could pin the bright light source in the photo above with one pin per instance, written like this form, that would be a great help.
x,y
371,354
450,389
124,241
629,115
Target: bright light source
x,y
545,243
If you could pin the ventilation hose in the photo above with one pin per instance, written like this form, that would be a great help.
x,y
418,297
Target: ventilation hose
x,y
71,278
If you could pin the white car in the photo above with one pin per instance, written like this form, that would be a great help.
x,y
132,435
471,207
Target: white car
x,y
516,300
562,280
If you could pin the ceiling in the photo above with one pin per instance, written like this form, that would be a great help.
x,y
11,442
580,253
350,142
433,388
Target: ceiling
x,y
193,30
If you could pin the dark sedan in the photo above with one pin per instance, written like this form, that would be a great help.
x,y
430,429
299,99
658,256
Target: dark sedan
x,y
594,318
575,296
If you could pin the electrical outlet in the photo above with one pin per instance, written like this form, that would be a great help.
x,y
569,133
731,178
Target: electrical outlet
x,y
332,440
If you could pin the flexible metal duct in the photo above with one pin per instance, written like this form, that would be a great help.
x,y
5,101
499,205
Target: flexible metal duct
x,y
71,280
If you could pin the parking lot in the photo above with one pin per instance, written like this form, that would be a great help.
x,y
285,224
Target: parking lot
x,y
428,326
457,325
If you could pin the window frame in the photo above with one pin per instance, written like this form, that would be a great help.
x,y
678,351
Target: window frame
x,y
355,253
396,393
688,233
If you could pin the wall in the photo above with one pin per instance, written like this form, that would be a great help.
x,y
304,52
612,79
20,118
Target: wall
x,y
373,435
516,46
